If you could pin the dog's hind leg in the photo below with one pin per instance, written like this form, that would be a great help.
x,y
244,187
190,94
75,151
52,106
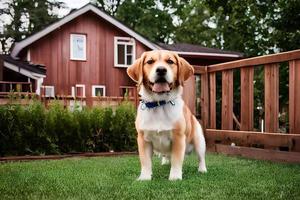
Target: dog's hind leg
x,y
200,146
165,160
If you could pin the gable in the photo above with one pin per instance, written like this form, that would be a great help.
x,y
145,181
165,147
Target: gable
x,y
89,7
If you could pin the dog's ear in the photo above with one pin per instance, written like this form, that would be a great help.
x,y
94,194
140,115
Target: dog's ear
x,y
135,71
185,70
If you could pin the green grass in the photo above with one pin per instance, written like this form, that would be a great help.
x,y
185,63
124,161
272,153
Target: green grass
x,y
115,178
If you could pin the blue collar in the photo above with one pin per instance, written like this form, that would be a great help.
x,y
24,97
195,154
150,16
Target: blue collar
x,y
155,104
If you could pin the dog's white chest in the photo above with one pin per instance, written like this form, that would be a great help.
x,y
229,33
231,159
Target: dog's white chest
x,y
161,118
161,141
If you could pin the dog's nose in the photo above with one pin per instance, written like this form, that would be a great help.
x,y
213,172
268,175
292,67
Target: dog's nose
x,y
161,71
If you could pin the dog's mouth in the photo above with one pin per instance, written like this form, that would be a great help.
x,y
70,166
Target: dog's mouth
x,y
161,85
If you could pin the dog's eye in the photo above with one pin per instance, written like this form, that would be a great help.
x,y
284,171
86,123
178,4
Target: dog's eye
x,y
150,61
169,61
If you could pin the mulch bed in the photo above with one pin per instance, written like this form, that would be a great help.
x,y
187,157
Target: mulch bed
x,y
58,157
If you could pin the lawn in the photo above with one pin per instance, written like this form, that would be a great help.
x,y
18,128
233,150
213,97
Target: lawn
x,y
115,178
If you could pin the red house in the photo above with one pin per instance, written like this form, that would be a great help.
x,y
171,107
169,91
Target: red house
x,y
85,54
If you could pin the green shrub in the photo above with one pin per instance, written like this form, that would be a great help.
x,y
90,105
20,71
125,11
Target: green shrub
x,y
11,141
34,130
123,128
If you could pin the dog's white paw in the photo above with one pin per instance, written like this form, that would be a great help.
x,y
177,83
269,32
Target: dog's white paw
x,y
165,161
202,169
144,177
175,175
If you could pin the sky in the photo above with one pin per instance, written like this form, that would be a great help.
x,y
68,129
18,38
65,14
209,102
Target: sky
x,y
72,4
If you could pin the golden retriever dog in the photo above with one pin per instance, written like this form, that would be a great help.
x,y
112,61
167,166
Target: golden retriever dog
x,y
164,123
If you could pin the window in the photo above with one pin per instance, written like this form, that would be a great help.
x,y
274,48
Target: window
x,y
98,90
78,47
124,51
47,91
127,91
78,90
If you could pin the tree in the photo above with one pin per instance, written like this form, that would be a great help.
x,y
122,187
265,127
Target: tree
x,y
255,27
153,19
25,17
110,6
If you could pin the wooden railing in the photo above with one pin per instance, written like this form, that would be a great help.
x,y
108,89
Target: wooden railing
x,y
228,140
22,88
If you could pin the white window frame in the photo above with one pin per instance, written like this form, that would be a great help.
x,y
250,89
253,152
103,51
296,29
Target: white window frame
x,y
129,41
94,87
84,47
74,90
48,87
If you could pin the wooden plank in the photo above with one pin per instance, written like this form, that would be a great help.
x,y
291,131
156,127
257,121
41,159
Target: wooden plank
x,y
259,154
199,69
260,60
189,93
227,100
294,96
290,142
212,100
271,97
204,100
247,98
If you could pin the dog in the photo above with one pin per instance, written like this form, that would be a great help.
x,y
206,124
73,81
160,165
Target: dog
x,y
164,123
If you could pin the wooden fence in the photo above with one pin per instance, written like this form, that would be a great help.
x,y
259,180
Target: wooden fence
x,y
269,144
22,93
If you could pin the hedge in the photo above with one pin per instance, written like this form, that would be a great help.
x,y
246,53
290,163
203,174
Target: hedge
x,y
35,130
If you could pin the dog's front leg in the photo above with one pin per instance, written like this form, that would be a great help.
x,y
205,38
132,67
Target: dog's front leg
x,y
177,156
145,153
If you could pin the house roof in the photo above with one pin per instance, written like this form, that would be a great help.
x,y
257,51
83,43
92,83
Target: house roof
x,y
18,46
18,65
198,50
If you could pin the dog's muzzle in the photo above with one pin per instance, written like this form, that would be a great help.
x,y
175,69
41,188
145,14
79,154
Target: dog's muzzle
x,y
161,84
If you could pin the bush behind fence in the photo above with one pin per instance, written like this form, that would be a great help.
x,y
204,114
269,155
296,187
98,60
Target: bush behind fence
x,y
35,130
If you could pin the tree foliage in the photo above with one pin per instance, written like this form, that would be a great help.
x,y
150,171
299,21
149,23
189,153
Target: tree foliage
x,y
25,17
153,19
254,27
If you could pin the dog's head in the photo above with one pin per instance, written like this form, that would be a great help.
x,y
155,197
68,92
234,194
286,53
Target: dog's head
x,y
160,71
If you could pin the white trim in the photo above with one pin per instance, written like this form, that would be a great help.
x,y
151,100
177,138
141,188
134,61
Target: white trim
x,y
23,71
98,86
72,57
83,89
48,87
207,54
28,55
39,83
129,41
73,91
29,40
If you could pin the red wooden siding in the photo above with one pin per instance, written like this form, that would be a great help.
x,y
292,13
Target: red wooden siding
x,y
54,52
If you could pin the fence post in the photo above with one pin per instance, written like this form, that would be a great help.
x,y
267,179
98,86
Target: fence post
x,y
212,100
294,96
271,97
247,98
227,100
205,99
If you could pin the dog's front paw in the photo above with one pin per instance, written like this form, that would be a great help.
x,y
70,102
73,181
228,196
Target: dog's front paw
x,y
202,169
175,175
144,177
